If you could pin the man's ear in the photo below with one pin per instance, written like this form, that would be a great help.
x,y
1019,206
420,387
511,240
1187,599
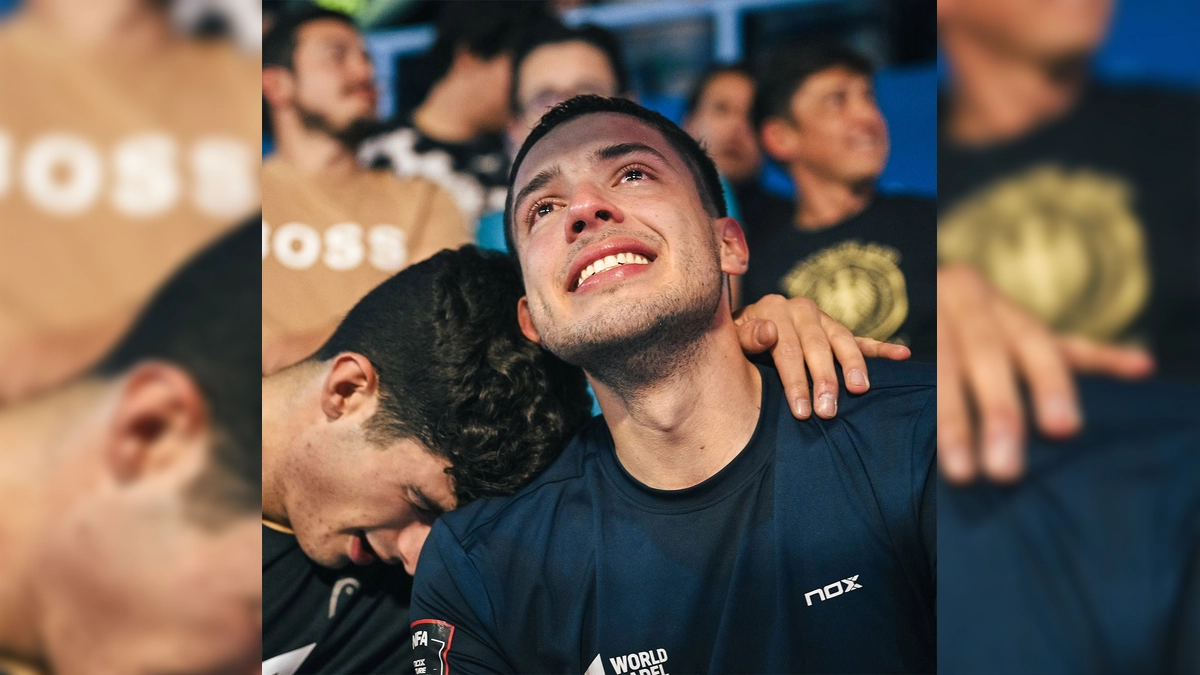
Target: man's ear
x,y
349,386
278,86
159,414
526,321
779,139
735,254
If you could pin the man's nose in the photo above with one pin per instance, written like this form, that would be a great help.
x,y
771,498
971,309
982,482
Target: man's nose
x,y
590,208
409,543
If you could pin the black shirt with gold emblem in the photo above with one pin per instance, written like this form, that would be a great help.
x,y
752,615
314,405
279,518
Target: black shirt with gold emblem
x,y
318,620
875,272
1091,222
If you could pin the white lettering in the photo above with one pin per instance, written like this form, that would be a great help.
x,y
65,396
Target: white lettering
x,y
389,248
343,246
808,598
644,657
850,585
42,173
146,178
619,664
226,176
662,656
837,585
285,241
420,639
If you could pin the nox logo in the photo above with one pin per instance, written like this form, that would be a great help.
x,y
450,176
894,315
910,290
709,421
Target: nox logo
x,y
833,590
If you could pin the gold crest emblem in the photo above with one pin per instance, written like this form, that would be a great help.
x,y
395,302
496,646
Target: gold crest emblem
x,y
1064,245
859,285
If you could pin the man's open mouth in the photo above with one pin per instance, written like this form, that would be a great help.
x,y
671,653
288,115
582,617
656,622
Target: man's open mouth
x,y
610,260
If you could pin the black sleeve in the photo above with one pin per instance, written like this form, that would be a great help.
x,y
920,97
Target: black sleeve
x,y
451,612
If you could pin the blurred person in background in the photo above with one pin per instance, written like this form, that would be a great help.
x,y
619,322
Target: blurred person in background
x,y
455,136
124,149
718,114
1069,228
332,230
554,64
1068,243
868,259
128,542
425,398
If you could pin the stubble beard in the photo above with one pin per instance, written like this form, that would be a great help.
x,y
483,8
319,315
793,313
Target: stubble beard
x,y
630,348
349,135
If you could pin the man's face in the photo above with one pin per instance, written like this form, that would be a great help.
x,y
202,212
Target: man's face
x,y
350,500
721,122
554,73
334,85
133,584
613,239
839,132
1041,30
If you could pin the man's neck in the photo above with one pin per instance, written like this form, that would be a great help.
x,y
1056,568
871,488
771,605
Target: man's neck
x,y
281,402
682,429
30,439
135,29
446,114
822,202
312,151
999,95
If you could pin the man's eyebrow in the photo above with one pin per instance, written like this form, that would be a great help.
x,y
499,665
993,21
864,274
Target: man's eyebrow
x,y
538,182
425,503
622,149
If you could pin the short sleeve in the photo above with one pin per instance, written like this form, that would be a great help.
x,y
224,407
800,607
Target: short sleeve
x,y
451,612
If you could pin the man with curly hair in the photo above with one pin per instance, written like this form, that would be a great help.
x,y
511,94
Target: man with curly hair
x,y
426,397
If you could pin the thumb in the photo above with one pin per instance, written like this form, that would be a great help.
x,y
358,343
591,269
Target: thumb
x,y
1087,356
757,335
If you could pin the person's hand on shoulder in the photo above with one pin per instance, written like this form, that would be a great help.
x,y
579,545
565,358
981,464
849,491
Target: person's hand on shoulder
x,y
803,341
988,348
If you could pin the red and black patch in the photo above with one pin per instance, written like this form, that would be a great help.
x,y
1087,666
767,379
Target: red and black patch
x,y
431,646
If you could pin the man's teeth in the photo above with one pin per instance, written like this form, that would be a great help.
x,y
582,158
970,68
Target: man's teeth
x,y
609,262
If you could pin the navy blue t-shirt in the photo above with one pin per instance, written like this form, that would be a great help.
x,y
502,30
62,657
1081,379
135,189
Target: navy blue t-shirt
x,y
1091,563
813,550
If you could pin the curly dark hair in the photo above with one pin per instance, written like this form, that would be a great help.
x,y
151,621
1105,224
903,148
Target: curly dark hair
x,y
456,373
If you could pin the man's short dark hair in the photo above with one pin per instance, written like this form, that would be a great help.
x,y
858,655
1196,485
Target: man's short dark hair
x,y
280,41
551,31
706,79
787,69
703,170
456,374
207,320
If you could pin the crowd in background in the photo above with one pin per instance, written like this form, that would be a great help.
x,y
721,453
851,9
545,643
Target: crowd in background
x,y
349,198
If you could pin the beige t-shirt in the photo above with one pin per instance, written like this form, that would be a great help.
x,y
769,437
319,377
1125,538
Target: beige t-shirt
x,y
328,240
113,171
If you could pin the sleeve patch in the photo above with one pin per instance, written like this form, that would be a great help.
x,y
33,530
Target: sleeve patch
x,y
431,646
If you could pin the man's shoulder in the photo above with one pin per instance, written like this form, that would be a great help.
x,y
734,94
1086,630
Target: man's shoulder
x,y
889,378
472,524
